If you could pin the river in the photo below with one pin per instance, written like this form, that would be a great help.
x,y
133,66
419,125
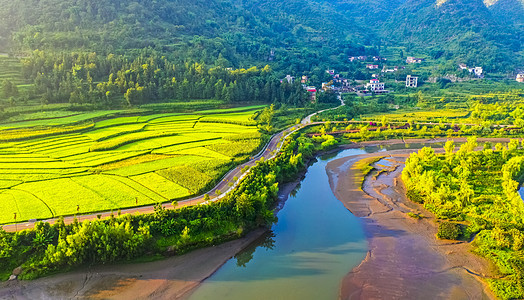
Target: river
x,y
314,244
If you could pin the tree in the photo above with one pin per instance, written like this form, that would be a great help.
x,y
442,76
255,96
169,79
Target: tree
x,y
9,89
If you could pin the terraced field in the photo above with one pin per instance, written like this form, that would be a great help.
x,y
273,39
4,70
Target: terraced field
x,y
120,162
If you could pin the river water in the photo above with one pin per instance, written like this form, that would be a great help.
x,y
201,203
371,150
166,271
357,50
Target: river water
x,y
314,244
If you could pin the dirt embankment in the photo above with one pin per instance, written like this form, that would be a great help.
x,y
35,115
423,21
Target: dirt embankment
x,y
405,260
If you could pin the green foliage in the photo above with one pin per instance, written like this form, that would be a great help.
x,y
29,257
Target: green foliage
x,y
478,188
448,231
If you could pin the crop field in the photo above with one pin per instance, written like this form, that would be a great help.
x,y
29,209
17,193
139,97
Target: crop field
x,y
74,165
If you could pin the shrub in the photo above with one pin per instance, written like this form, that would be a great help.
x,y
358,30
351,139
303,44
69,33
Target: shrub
x,y
448,231
414,215
414,196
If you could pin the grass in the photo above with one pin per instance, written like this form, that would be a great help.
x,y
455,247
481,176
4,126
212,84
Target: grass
x,y
121,161
365,167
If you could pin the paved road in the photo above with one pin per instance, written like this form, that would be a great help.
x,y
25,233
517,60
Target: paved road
x,y
226,184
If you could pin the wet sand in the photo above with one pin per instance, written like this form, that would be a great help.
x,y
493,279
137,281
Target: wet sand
x,y
405,260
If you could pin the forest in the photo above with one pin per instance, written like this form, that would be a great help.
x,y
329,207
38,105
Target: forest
x,y
105,81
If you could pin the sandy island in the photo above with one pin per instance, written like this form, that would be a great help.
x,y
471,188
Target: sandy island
x,y
404,260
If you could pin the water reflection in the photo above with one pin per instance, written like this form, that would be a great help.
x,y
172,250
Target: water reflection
x,y
266,242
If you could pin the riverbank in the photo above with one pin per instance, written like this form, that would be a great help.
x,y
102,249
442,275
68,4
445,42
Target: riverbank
x,y
170,278
404,260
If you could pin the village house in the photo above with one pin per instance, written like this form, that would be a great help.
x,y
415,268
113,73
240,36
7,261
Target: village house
x,y
330,72
411,81
312,93
414,60
378,58
520,77
304,79
372,67
327,86
477,71
463,66
375,86
289,78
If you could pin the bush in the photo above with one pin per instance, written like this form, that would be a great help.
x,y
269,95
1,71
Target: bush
x,y
448,231
414,196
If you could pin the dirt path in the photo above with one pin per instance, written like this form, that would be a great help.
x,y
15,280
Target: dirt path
x,y
405,260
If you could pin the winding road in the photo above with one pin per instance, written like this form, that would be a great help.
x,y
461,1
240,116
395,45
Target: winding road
x,y
227,183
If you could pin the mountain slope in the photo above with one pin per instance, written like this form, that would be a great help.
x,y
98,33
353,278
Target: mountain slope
x,y
509,11
464,29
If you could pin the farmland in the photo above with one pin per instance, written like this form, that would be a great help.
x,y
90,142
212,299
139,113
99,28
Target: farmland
x,y
75,165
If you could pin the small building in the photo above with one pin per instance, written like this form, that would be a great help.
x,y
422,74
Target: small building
x,y
411,81
414,60
372,67
289,78
375,86
312,93
330,72
327,86
463,66
304,79
477,71
520,77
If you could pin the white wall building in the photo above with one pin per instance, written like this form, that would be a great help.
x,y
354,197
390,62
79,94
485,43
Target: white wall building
x,y
411,81
375,85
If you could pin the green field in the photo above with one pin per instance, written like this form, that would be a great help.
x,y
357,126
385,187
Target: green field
x,y
72,165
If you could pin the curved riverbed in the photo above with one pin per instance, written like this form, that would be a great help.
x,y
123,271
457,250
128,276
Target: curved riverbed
x,y
315,242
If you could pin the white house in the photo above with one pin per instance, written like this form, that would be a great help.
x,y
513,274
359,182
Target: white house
x,y
375,85
477,71
520,77
289,78
411,81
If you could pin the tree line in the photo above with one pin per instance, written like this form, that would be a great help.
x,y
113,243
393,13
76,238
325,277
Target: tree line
x,y
112,80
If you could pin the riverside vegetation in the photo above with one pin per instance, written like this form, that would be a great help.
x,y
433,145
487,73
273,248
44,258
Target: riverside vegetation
x,y
51,248
474,194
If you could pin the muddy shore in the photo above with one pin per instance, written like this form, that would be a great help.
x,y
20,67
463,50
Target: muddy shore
x,y
404,260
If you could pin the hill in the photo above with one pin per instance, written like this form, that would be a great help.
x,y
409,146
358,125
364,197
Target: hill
x,y
465,30
508,11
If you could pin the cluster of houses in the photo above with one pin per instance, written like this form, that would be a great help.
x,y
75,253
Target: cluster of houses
x,y
392,69
366,58
475,70
414,60
303,80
